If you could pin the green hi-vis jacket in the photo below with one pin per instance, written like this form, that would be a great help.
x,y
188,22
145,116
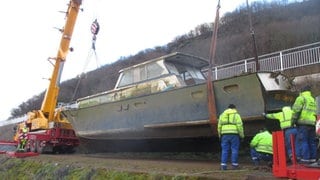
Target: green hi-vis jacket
x,y
284,117
305,109
262,142
230,123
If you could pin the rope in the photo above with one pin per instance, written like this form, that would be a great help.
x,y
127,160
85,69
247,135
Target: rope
x,y
95,27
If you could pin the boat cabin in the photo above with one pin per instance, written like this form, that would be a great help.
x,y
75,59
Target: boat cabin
x,y
171,71
182,68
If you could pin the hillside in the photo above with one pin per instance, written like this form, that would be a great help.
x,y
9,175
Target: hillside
x,y
275,25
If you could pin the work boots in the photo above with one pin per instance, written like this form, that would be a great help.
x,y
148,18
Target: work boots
x,y
223,168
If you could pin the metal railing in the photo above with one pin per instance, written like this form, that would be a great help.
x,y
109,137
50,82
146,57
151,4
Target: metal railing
x,y
278,61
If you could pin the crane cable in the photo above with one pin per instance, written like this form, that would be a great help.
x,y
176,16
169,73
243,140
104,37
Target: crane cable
x,y
95,27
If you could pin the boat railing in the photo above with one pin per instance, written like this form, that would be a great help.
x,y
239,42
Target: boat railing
x,y
277,61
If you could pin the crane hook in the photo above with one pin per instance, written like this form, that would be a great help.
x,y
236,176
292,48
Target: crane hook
x,y
95,27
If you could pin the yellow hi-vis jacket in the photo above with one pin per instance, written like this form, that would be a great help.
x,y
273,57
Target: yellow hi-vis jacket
x,y
262,142
230,122
284,117
305,109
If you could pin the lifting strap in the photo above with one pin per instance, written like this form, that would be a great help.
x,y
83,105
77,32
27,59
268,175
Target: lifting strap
x,y
95,27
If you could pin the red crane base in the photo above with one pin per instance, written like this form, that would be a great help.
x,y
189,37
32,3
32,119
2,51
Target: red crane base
x,y
21,154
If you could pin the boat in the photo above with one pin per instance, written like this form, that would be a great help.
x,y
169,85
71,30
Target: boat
x,y
166,98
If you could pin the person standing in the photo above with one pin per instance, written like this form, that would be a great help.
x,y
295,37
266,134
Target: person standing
x,y
287,125
304,114
22,139
230,130
261,147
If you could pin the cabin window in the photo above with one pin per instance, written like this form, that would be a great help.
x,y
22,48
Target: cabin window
x,y
172,69
149,71
142,73
188,78
189,74
127,78
195,73
154,70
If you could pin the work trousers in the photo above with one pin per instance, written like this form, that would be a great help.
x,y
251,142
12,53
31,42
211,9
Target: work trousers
x,y
287,133
230,142
307,143
258,156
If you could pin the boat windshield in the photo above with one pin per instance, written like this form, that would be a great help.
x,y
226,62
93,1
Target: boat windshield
x,y
190,75
186,68
142,73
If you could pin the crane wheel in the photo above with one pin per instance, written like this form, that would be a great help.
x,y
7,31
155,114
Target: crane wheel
x,y
32,146
39,147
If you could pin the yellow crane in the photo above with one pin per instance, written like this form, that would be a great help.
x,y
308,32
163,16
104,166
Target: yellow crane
x,y
48,130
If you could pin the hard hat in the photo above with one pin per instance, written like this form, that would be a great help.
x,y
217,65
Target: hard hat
x,y
306,88
232,106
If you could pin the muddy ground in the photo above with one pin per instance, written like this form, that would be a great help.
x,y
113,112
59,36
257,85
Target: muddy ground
x,y
182,162
134,165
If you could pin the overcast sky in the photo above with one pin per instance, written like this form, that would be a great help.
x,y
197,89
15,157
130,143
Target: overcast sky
x,y
28,37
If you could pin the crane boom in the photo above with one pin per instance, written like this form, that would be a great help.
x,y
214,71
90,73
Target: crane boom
x,y
51,96
48,130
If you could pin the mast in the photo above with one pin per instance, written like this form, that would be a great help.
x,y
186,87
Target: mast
x,y
211,97
51,96
253,39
